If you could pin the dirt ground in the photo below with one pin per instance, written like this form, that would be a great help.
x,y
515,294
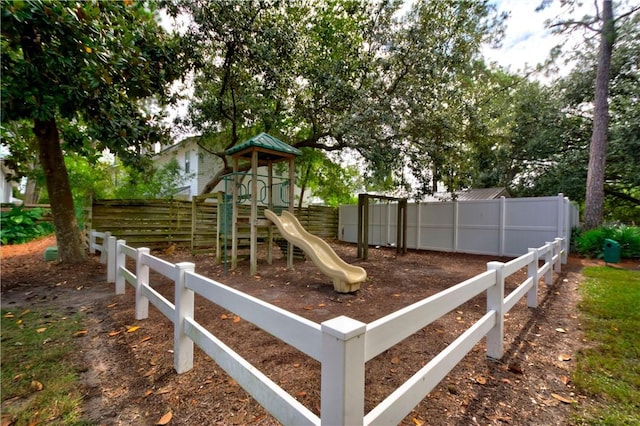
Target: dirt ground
x,y
128,377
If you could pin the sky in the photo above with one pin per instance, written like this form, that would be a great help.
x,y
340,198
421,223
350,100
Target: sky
x,y
527,42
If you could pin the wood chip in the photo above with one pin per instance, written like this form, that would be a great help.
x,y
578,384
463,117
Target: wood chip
x,y
562,398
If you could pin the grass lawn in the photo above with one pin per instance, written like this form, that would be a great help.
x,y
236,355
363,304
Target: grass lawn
x,y
39,378
610,367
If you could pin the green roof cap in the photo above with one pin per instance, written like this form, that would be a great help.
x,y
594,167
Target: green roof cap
x,y
265,141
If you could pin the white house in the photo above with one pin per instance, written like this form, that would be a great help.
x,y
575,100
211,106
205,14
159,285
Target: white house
x,y
7,185
199,165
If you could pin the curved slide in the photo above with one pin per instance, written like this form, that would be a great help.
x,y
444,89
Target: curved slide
x,y
346,278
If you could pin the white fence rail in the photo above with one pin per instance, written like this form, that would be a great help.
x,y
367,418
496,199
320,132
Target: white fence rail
x,y
342,345
500,227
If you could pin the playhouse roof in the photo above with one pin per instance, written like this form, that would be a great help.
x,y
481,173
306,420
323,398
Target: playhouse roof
x,y
268,147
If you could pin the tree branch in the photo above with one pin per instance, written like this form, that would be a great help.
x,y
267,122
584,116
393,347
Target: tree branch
x,y
622,196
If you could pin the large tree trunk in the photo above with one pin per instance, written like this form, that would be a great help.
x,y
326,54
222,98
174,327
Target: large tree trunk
x,y
70,249
594,202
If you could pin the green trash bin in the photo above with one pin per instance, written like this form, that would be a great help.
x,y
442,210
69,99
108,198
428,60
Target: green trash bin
x,y
611,251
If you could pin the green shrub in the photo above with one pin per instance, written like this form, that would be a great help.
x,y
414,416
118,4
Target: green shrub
x,y
20,225
591,242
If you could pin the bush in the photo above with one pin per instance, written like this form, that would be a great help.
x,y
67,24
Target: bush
x,y
591,243
20,225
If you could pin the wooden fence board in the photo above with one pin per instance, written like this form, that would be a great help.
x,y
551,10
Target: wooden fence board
x,y
159,223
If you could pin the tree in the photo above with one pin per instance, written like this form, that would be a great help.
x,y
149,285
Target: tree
x,y
91,65
332,75
326,179
594,200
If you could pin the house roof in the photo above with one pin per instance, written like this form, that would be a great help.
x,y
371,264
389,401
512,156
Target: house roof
x,y
268,147
470,194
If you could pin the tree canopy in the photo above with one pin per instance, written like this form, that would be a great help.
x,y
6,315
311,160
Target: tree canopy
x,y
91,68
333,75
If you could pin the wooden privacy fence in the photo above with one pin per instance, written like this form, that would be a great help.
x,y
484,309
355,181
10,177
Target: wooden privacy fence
x,y
159,223
342,345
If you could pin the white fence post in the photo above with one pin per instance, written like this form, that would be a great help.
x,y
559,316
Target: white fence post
x,y
548,258
567,230
142,278
92,241
342,376
120,262
456,224
184,307
558,250
111,259
103,251
502,226
532,272
495,302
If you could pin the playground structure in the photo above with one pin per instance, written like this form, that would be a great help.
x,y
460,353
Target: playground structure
x,y
364,228
260,150
265,150
346,278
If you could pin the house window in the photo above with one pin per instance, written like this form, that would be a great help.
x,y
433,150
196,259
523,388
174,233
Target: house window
x,y
187,162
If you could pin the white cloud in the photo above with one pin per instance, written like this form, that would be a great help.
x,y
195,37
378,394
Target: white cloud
x,y
527,41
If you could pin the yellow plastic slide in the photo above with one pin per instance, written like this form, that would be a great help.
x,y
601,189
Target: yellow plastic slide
x,y
346,278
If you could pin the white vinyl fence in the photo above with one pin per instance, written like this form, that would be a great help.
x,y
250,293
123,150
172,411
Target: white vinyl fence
x,y
500,227
342,345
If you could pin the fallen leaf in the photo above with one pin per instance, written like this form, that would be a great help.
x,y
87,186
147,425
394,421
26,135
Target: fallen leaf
x,y
17,377
321,305
150,373
564,357
307,308
148,392
41,330
507,381
132,329
113,305
565,380
224,316
296,365
9,315
145,339
36,386
25,312
418,422
301,394
396,295
395,360
561,330
562,398
481,380
19,322
236,319
80,333
114,333
164,420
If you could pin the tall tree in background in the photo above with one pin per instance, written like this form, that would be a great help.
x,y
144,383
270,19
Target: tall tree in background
x,y
594,199
89,64
595,189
